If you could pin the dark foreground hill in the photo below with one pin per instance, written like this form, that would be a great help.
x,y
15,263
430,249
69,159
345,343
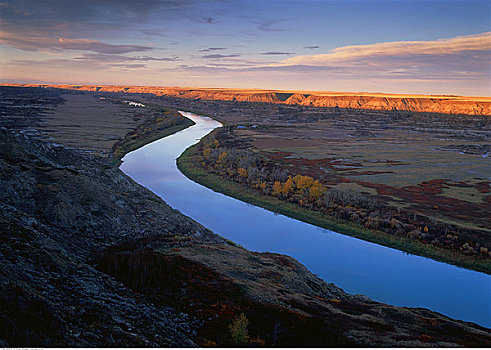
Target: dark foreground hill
x,y
90,258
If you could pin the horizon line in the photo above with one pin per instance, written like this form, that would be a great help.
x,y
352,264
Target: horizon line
x,y
312,92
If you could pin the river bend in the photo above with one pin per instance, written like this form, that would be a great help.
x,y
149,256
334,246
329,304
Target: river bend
x,y
359,267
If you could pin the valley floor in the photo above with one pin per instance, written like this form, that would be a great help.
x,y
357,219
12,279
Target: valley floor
x,y
91,258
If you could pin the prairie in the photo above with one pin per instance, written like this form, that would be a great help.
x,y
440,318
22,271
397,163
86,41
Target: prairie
x,y
445,177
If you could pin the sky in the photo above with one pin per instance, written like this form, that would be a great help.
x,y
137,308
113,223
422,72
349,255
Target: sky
x,y
427,47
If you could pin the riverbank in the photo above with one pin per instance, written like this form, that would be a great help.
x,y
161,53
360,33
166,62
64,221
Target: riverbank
x,y
150,131
187,164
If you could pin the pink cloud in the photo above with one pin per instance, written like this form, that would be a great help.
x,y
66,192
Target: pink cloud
x,y
34,43
342,55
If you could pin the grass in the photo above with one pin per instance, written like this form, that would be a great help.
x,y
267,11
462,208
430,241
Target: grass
x,y
187,165
395,158
120,151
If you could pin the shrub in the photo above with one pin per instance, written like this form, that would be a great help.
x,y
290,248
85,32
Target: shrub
x,y
238,330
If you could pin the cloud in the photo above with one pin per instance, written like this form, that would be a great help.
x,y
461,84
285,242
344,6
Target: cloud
x,y
311,47
212,49
65,65
123,58
12,10
460,60
130,66
272,53
35,43
153,32
73,10
93,18
236,64
348,76
219,56
478,42
268,26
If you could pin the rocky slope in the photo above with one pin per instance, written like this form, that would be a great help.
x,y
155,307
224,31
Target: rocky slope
x,y
375,101
90,258
57,208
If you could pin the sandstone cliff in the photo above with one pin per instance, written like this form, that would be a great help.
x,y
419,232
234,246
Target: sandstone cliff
x,y
370,101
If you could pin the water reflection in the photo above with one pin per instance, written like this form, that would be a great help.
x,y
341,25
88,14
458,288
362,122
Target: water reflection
x,y
359,267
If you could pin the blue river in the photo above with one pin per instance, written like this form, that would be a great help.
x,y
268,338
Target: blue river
x,y
359,267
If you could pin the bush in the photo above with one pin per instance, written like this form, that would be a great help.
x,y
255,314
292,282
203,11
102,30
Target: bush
x,y
238,330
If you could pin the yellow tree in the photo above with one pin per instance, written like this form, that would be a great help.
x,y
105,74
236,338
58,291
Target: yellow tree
x,y
303,182
242,172
288,186
238,330
316,190
277,188
222,159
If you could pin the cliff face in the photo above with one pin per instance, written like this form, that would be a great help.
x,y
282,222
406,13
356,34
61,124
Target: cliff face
x,y
414,103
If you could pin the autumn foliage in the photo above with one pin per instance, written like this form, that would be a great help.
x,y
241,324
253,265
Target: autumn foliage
x,y
239,164
242,166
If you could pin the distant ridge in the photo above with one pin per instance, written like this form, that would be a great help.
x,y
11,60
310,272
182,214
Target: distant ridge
x,y
448,104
